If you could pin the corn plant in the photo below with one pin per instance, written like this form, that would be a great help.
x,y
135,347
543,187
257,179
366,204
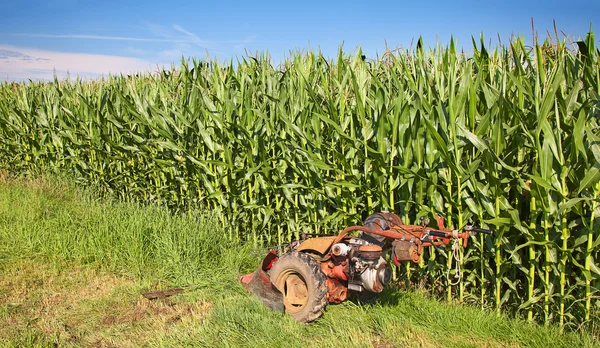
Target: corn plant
x,y
506,137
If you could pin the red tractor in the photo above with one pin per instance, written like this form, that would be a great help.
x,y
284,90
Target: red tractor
x,y
313,272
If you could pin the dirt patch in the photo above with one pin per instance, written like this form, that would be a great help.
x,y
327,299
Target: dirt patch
x,y
27,283
381,342
163,311
83,306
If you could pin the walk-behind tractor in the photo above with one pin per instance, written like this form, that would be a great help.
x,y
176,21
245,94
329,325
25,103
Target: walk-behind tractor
x,y
311,273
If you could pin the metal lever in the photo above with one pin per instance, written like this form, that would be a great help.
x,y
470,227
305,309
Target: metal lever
x,y
470,228
426,239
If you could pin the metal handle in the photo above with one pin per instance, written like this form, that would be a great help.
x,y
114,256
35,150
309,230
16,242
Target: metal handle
x,y
438,233
479,230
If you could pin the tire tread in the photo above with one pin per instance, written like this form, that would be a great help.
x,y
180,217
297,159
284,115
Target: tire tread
x,y
319,278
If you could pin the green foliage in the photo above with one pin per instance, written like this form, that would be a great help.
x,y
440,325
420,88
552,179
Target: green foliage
x,y
316,144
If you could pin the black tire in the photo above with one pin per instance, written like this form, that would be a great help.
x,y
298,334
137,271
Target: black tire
x,y
303,285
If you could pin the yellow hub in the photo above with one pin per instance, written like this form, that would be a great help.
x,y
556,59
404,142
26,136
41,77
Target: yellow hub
x,y
294,289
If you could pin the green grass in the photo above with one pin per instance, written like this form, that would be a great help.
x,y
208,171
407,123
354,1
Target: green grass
x,y
72,268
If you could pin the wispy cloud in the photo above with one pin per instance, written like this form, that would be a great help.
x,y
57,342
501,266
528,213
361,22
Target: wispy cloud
x,y
166,34
172,42
18,63
13,55
193,37
185,43
102,37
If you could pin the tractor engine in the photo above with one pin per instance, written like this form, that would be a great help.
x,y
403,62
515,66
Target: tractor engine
x,y
312,272
367,269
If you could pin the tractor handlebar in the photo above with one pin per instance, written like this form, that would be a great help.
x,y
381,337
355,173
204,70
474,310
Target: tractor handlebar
x,y
455,234
471,228
440,234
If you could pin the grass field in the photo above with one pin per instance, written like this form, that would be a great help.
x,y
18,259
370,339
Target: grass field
x,y
72,268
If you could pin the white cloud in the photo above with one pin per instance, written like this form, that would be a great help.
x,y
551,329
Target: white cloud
x,y
172,54
104,37
171,44
17,63
193,37
135,51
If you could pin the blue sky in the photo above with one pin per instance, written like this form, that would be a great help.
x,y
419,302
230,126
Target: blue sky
x,y
91,38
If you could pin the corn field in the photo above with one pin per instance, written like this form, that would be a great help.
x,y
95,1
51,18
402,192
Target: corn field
x,y
508,138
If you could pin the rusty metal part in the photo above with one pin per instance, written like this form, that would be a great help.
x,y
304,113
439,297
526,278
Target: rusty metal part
x,y
411,233
440,221
305,236
320,245
340,249
296,291
335,270
259,284
393,233
407,251
267,262
246,278
374,278
449,234
370,248
338,292
370,251
265,265
382,221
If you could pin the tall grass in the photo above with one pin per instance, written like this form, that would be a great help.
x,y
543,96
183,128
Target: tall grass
x,y
52,220
316,144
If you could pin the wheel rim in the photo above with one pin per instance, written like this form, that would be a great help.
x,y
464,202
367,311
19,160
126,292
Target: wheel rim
x,y
294,289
